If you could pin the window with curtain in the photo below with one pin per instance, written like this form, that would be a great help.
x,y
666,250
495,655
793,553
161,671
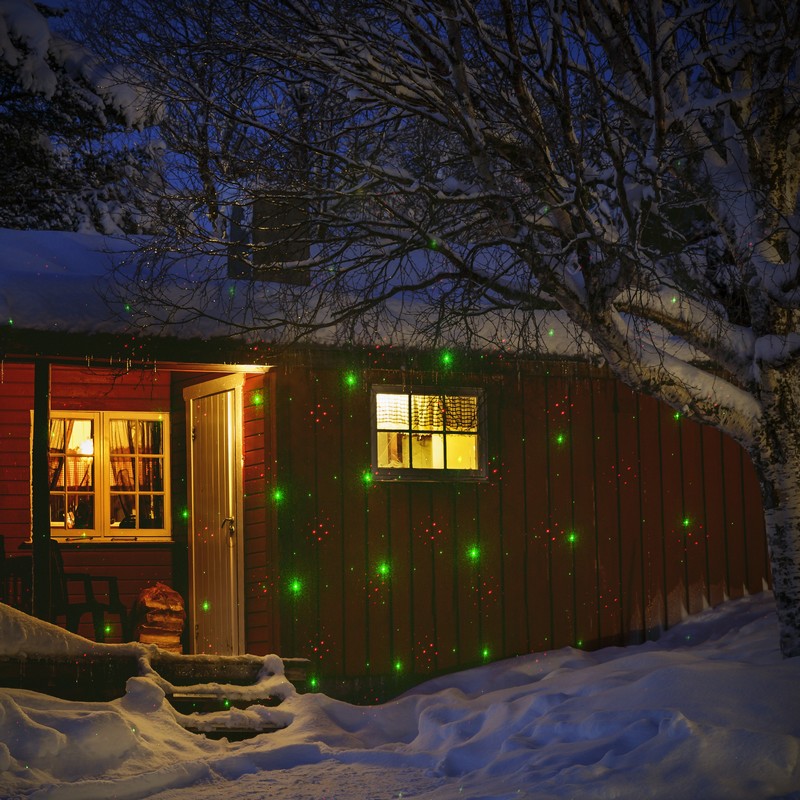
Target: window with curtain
x,y
109,475
427,435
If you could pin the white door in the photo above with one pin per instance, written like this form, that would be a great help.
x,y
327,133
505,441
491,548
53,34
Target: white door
x,y
214,434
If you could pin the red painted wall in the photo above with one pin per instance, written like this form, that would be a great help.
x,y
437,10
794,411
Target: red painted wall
x,y
604,520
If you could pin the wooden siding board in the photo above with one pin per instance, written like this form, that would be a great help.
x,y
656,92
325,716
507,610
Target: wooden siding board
x,y
609,628
401,555
652,515
694,501
757,561
355,461
537,487
513,504
561,509
631,595
584,547
467,617
714,501
734,518
442,546
673,513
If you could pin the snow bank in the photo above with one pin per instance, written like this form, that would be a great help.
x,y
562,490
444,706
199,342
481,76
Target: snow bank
x,y
710,711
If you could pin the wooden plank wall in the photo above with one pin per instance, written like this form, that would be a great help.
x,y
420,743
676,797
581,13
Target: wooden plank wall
x,y
605,520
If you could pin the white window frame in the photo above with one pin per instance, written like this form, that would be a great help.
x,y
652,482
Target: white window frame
x,y
104,530
430,473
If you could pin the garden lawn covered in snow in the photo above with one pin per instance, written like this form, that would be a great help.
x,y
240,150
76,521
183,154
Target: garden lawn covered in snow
x,y
709,711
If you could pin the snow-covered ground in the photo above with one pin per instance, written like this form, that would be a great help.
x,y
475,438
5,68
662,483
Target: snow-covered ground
x,y
710,711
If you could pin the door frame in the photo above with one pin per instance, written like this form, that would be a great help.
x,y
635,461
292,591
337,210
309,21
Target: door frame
x,y
235,383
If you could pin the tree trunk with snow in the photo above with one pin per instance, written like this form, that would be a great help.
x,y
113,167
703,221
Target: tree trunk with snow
x,y
776,457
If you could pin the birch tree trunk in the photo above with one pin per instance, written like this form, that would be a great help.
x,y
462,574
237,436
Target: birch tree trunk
x,y
776,458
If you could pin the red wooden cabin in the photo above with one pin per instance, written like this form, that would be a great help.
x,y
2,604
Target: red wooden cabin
x,y
387,514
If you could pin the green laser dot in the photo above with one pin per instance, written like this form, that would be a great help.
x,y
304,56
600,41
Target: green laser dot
x,y
278,495
257,399
474,553
206,606
398,666
350,379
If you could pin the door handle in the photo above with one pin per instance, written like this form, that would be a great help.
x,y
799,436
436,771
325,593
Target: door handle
x,y
231,523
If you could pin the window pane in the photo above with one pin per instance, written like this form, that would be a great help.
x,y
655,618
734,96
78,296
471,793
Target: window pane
x,y
57,505
80,473
392,411
150,437
152,508
462,452
427,452
426,412
123,474
461,413
81,513
123,510
122,436
393,450
58,441
56,473
80,436
151,478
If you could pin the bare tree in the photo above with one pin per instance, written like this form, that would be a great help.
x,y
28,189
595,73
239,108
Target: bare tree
x,y
634,164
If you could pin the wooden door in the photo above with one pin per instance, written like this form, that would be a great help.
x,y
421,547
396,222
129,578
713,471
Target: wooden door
x,y
214,436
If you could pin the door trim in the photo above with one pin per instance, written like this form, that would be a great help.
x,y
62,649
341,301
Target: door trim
x,y
227,383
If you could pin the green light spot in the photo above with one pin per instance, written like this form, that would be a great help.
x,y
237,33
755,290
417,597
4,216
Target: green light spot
x,y
185,513
580,642
572,537
384,569
257,399
295,586
673,299
226,703
206,605
398,666
446,359
560,438
11,322
350,380
676,416
474,553
366,478
551,332
686,522
433,244
107,629
313,683
278,495
485,653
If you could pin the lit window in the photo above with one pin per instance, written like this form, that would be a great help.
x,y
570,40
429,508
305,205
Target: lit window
x,y
425,435
109,475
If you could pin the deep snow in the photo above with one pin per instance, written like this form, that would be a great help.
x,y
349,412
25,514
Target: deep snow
x,y
710,711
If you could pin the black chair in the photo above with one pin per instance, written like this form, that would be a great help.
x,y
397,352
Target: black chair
x,y
72,594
